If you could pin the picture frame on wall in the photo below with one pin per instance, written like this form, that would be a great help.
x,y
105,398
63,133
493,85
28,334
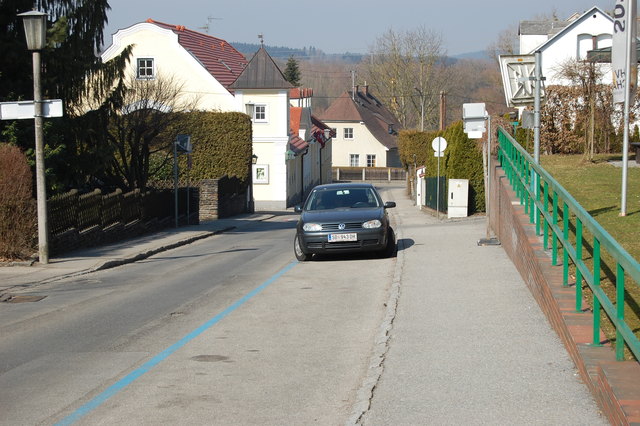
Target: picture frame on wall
x,y
261,173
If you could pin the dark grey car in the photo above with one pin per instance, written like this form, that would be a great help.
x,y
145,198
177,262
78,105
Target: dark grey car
x,y
343,217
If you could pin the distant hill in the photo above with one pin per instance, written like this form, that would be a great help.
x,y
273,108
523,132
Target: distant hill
x,y
480,54
311,53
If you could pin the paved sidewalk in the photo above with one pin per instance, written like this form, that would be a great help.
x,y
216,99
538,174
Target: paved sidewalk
x,y
22,276
465,341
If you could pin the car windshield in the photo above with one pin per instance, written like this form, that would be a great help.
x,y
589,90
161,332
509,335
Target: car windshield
x,y
336,198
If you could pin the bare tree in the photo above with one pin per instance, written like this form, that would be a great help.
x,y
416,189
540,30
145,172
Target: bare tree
x,y
586,78
406,71
139,128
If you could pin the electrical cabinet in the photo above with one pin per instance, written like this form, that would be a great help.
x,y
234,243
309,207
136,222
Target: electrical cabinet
x,y
458,199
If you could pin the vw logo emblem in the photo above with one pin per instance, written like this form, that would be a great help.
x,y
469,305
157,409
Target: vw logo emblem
x,y
341,226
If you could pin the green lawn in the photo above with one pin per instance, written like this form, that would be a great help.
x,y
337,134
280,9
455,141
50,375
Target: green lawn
x,y
597,186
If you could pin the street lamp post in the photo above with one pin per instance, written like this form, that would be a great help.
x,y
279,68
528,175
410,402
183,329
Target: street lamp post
x,y
35,32
421,108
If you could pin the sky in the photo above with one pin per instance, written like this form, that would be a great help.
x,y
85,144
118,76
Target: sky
x,y
339,26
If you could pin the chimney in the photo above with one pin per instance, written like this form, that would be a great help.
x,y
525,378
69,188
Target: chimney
x,y
365,89
357,91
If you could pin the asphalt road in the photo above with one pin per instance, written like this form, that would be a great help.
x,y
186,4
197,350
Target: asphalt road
x,y
298,349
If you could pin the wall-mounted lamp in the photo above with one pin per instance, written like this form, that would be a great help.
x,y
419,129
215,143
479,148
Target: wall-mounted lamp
x,y
289,155
254,159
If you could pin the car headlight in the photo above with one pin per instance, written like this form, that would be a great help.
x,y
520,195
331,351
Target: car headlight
x,y
312,227
372,224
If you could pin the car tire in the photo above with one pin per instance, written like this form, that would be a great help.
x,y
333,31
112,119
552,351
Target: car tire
x,y
297,250
390,249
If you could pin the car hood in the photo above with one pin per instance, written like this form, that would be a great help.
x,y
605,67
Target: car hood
x,y
342,215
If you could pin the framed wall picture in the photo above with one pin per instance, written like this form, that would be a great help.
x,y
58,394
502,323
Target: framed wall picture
x,y
261,173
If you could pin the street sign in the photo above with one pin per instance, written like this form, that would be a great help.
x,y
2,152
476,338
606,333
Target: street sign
x,y
26,109
183,143
474,117
624,25
518,79
439,144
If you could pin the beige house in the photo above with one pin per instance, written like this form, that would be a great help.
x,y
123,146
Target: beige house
x,y
366,132
224,80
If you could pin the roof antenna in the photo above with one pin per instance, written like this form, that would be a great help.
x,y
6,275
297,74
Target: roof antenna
x,y
261,37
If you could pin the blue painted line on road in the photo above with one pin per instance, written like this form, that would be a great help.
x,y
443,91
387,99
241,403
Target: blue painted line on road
x,y
134,375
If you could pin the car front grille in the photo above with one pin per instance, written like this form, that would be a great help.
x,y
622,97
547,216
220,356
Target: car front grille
x,y
347,226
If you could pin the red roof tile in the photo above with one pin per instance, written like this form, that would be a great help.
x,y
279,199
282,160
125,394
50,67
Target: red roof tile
x,y
217,56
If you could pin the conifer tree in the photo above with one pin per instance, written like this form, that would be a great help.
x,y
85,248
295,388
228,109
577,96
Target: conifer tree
x,y
292,72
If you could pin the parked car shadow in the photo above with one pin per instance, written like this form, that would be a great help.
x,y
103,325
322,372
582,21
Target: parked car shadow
x,y
405,243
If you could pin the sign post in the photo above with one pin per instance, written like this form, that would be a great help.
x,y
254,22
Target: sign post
x,y
181,145
439,144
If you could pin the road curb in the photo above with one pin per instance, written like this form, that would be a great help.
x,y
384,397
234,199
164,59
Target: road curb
x,y
366,391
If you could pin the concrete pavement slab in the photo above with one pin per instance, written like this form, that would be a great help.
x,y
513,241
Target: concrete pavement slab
x,y
468,343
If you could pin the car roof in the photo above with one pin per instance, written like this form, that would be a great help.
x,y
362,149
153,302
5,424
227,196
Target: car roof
x,y
343,185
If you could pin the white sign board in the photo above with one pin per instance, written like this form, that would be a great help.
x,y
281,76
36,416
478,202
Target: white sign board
x,y
439,144
474,117
518,73
26,109
624,15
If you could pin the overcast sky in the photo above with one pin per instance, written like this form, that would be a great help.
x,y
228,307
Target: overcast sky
x,y
338,26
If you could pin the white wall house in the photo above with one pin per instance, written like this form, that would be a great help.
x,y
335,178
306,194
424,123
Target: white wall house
x,y
224,80
366,132
206,65
563,41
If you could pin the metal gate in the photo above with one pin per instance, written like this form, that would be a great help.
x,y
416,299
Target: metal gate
x,y
430,199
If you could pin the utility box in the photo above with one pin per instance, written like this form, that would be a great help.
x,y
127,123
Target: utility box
x,y
458,199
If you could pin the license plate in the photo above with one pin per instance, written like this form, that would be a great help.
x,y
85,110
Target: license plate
x,y
334,238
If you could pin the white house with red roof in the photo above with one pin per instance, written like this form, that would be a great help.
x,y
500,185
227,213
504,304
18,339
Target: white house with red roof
x,y
224,80
206,65
366,131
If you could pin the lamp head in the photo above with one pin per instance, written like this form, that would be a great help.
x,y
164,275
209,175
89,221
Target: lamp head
x,y
35,29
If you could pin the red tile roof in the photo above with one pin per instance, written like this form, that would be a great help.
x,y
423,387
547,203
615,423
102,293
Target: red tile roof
x,y
217,56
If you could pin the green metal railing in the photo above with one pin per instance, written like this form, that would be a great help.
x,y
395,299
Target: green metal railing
x,y
541,197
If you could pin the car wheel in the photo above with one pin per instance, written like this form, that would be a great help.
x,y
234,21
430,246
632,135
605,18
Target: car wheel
x,y
297,250
390,248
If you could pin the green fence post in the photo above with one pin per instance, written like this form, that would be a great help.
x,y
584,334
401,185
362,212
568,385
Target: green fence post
x,y
578,263
565,251
597,308
546,222
619,312
554,237
535,205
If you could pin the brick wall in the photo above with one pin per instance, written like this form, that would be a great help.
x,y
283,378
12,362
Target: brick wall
x,y
615,385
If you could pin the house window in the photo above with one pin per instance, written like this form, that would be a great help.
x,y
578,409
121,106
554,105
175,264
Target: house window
x,y
145,68
260,113
354,160
371,160
348,132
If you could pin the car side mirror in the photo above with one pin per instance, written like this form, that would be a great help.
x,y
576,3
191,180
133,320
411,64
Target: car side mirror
x,y
298,209
389,204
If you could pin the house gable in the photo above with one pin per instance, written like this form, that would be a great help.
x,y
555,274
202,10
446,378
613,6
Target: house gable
x,y
261,73
207,56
